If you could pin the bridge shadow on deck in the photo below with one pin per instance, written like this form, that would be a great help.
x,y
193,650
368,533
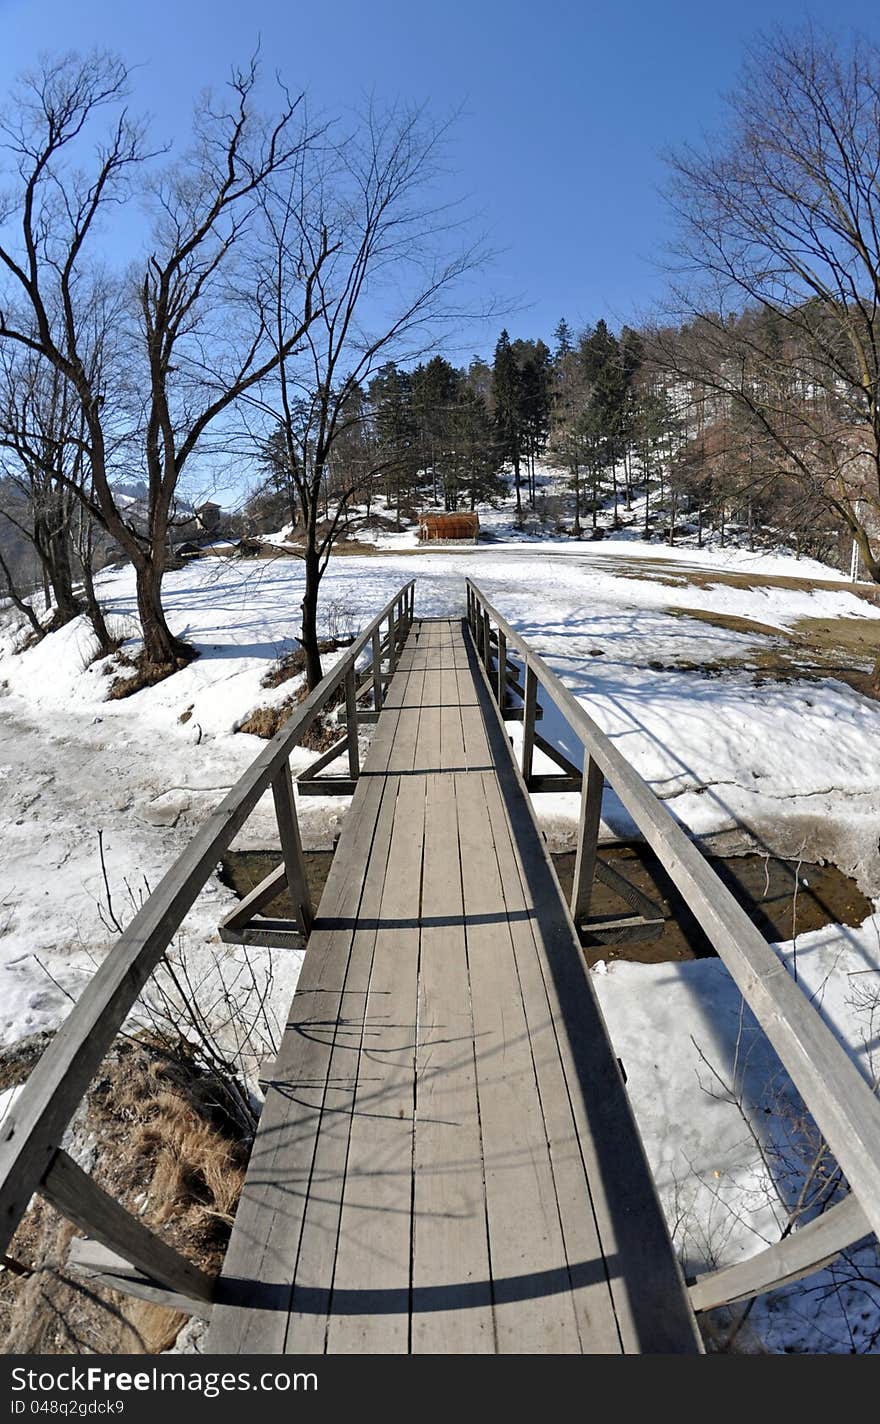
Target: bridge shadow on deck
x,y
461,1295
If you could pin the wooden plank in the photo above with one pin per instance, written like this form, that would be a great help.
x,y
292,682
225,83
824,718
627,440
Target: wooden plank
x,y
804,1251
260,1266
334,1104
102,1267
325,759
291,848
451,1279
587,839
369,1308
534,1311
530,703
351,714
649,1296
588,1268
268,889
78,1197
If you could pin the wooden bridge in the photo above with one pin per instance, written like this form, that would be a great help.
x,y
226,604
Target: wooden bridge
x,y
446,1160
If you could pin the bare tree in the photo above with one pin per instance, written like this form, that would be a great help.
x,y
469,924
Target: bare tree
x,y
389,266
197,335
780,241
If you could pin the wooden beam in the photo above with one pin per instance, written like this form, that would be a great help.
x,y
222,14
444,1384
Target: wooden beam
x,y
272,934
631,895
538,783
622,929
530,703
262,894
291,848
588,839
501,679
805,1250
327,786
351,717
102,1267
392,642
378,683
325,759
78,1197
556,755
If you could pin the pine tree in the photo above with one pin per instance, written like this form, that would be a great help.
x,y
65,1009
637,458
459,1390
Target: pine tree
x,y
391,403
507,392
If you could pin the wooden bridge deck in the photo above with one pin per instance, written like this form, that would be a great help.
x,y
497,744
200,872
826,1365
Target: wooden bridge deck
x,y
446,1160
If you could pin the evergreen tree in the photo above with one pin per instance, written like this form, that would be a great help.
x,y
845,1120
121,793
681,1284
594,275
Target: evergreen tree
x,y
394,427
563,338
507,392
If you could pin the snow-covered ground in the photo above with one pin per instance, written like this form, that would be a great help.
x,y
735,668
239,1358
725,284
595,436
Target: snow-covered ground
x,y
794,763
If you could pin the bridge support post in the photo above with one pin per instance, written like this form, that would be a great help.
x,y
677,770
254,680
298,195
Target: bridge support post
x,y
530,708
588,839
392,641
501,682
351,716
377,671
291,845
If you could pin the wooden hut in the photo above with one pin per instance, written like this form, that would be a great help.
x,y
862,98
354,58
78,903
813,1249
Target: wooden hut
x,y
454,528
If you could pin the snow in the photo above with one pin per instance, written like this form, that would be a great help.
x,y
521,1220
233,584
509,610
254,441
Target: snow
x,y
793,763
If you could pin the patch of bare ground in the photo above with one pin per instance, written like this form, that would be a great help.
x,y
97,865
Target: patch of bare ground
x,y
157,1141
810,648
144,673
673,575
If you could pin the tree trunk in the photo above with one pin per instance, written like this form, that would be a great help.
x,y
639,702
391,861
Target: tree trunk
x,y
309,631
161,648
60,576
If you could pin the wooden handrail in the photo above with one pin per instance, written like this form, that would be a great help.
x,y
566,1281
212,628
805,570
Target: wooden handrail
x,y
839,1098
31,1132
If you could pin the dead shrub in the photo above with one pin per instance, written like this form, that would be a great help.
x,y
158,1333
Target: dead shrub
x,y
145,674
166,1150
266,721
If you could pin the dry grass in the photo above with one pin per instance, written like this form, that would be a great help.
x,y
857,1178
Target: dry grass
x,y
165,1151
266,721
145,673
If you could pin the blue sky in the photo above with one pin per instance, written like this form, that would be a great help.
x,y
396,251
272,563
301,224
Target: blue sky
x,y
565,107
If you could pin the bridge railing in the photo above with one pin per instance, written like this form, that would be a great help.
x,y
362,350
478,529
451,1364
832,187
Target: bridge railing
x,y
839,1098
121,1250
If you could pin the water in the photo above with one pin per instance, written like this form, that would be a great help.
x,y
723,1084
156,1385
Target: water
x,y
764,886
